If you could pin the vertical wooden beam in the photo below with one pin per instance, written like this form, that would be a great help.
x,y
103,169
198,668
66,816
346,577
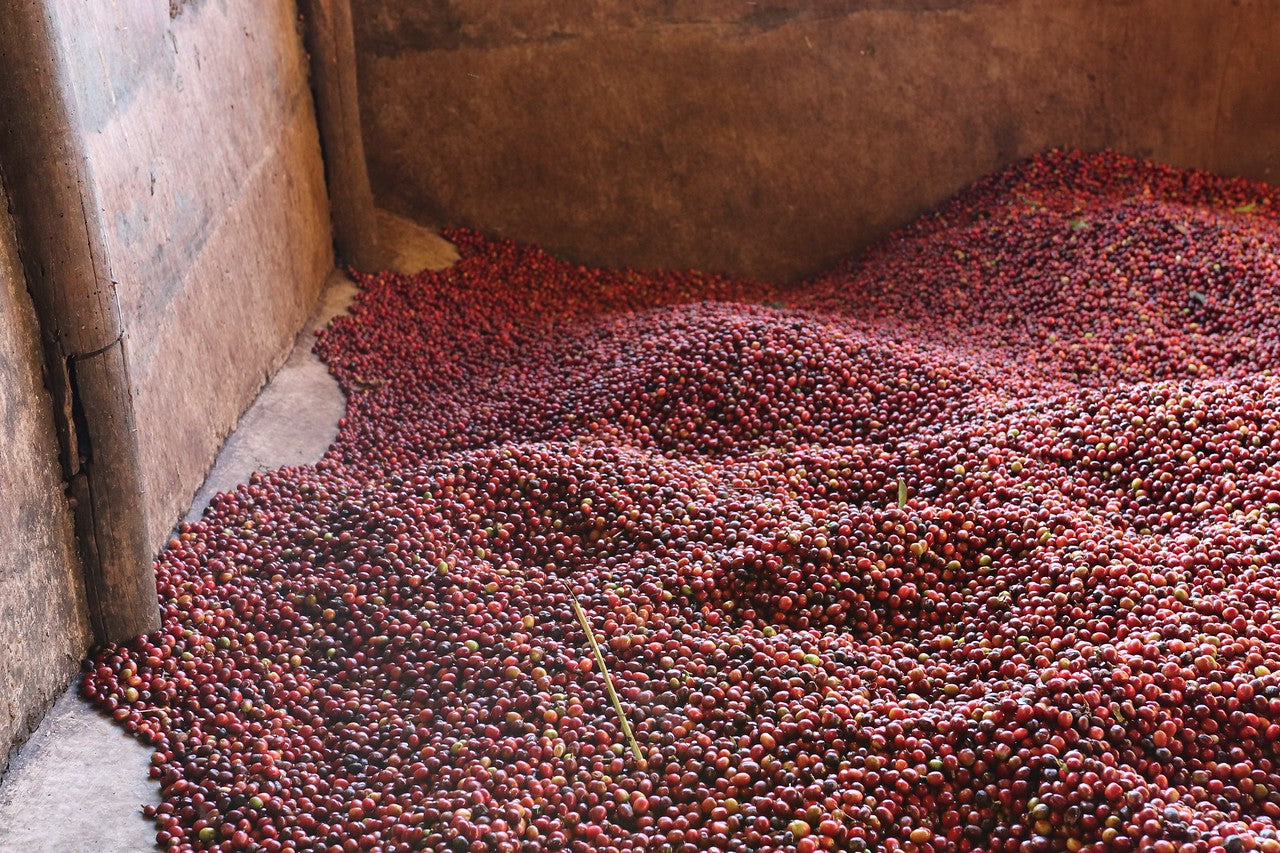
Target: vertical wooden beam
x,y
330,41
63,249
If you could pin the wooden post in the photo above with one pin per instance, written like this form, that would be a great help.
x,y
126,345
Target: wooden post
x,y
330,41
64,256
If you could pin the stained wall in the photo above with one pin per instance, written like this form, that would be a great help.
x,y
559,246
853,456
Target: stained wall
x,y
771,137
199,129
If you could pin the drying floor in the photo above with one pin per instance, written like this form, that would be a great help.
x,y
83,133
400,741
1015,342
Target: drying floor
x,y
79,784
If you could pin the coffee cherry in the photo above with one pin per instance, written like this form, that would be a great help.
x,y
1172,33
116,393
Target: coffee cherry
x,y
969,543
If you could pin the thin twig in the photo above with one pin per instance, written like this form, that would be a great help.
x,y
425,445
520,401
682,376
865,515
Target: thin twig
x,y
608,679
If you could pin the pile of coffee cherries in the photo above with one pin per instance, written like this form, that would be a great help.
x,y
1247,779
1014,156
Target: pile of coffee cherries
x,y
970,543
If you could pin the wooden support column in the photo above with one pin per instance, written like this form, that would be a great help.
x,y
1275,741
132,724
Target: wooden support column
x,y
330,41
63,250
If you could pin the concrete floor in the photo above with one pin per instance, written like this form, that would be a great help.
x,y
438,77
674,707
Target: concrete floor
x,y
79,784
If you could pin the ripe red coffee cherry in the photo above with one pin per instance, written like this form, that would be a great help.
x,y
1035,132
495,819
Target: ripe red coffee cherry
x,y
969,543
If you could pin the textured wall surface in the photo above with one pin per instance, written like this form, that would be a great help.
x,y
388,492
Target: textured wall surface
x,y
44,628
771,137
201,139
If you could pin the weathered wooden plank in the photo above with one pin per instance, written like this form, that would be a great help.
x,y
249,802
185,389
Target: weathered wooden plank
x,y
69,277
331,43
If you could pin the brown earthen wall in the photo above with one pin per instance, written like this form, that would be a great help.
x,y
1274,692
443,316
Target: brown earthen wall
x,y
771,137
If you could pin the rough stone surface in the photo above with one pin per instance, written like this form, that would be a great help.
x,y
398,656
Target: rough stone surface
x,y
43,621
204,156
78,786
406,247
769,138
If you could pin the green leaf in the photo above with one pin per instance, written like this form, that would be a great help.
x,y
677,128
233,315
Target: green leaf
x,y
1245,208
902,493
